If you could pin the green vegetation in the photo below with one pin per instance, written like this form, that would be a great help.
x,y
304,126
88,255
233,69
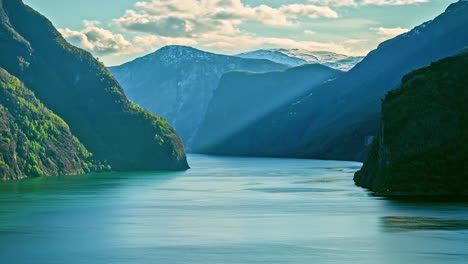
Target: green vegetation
x,y
422,145
79,89
33,140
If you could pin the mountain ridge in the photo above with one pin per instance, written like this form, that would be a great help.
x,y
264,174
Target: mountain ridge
x,y
338,120
84,94
244,97
179,88
297,57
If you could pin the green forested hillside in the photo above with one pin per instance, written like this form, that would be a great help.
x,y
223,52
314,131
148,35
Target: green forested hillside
x,y
33,140
79,89
422,147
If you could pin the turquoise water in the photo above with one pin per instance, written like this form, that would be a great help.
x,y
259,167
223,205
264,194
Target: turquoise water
x,y
224,210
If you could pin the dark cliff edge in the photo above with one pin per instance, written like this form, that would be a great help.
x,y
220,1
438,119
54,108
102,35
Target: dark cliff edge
x,y
422,147
79,89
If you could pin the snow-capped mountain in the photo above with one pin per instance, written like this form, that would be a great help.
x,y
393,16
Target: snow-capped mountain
x,y
297,57
339,119
273,55
177,82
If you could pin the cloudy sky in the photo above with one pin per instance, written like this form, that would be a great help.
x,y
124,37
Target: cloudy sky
x,y
119,30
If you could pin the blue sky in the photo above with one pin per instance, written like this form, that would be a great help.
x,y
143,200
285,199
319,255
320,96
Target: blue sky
x,y
119,30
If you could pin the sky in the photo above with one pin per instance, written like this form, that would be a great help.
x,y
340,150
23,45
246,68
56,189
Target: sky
x,y
117,31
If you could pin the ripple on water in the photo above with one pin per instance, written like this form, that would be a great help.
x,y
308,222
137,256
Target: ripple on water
x,y
322,180
293,190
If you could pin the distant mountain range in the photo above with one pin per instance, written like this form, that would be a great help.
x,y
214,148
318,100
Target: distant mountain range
x,y
63,112
298,57
340,119
178,82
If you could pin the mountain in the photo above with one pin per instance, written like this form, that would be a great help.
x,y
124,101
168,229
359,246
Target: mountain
x,y
421,149
79,89
273,55
344,115
33,140
177,83
339,119
297,57
243,98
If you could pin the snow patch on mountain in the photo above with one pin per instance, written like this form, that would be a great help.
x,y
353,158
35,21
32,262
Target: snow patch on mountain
x,y
297,57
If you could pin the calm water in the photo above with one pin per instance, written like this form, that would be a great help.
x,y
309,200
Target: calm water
x,y
224,210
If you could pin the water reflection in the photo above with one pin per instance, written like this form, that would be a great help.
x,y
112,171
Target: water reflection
x,y
224,210
294,190
412,223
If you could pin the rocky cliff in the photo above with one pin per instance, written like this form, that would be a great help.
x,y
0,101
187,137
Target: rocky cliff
x,y
422,146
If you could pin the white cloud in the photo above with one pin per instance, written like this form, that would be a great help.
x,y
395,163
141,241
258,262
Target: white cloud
x,y
355,41
388,33
365,2
152,42
99,41
103,42
335,2
250,42
185,18
393,2
215,24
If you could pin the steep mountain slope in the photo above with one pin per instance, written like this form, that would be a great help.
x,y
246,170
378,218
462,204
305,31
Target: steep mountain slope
x,y
177,83
422,146
33,140
297,57
79,89
344,130
339,119
243,98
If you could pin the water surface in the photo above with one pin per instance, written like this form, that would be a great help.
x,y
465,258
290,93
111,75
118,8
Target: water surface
x,y
224,210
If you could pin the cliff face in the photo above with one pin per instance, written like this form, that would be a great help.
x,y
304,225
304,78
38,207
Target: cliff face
x,y
79,89
422,148
177,82
33,140
234,116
